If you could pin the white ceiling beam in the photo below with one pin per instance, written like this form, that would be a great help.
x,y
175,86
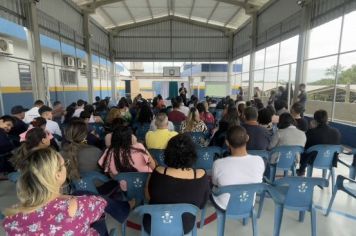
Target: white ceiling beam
x,y
233,16
172,6
191,9
90,7
149,8
129,12
212,12
106,16
249,7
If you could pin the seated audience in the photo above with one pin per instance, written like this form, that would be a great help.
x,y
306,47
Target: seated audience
x,y
239,168
204,114
82,157
58,112
43,209
176,182
33,112
159,138
281,107
53,127
79,108
124,111
125,154
6,146
321,134
287,133
18,113
259,136
193,122
176,116
265,119
182,107
296,111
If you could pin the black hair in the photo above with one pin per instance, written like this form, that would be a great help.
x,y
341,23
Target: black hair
x,y
145,115
89,108
123,103
232,116
280,104
321,116
298,108
44,109
38,122
285,120
251,113
201,107
236,136
301,85
97,99
175,103
264,116
85,115
248,103
179,100
180,152
80,102
69,113
7,118
56,103
39,103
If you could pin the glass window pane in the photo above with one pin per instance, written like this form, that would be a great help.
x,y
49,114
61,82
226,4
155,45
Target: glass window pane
x,y
270,81
349,33
345,107
320,75
258,79
260,59
324,39
289,50
272,54
246,63
245,82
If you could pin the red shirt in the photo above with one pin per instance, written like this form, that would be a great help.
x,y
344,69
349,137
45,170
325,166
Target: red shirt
x,y
176,116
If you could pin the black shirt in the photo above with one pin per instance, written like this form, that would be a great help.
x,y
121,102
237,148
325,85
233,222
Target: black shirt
x,y
302,124
323,134
19,127
6,145
259,137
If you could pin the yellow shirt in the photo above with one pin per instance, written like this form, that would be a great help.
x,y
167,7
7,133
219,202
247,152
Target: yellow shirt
x,y
158,139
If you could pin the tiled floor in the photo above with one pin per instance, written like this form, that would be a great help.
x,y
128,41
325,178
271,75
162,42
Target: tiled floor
x,y
340,222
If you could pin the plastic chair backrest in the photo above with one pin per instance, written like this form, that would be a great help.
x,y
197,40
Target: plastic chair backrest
x,y
166,219
206,157
177,126
99,129
325,155
197,137
262,153
218,114
242,198
141,130
158,155
299,190
136,183
285,156
87,181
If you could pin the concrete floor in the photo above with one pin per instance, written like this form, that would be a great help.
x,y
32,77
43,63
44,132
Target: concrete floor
x,y
341,221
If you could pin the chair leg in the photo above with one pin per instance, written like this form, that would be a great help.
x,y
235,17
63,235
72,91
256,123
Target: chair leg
x,y
309,171
332,174
301,216
260,207
202,217
324,174
254,224
278,214
331,201
313,221
221,222
123,229
272,173
285,173
244,221
294,171
352,174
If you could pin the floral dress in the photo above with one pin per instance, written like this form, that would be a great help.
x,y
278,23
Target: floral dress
x,y
53,219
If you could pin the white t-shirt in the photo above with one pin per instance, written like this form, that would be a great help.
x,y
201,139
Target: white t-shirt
x,y
236,170
53,127
184,110
77,112
31,114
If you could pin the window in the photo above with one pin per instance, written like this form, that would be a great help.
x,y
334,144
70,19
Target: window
x,y
68,77
25,77
272,54
260,59
289,50
349,33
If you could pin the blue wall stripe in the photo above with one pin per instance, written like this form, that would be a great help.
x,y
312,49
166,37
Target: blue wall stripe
x,y
12,29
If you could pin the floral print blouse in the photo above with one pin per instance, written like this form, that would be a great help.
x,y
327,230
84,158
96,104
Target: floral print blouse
x,y
53,219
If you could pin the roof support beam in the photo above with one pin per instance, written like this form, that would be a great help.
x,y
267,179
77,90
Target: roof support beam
x,y
249,7
233,16
129,12
90,7
106,16
212,12
116,30
191,9
149,8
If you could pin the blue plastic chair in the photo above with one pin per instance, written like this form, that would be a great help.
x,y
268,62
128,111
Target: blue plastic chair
x,y
294,193
349,188
285,157
206,157
324,160
141,130
218,114
136,183
262,153
166,219
240,205
87,181
177,126
352,167
98,128
158,155
198,138
13,176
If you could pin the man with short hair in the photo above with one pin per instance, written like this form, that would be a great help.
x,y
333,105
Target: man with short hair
x,y
6,146
159,138
176,116
296,111
18,114
259,136
33,112
182,108
238,168
302,97
51,126
183,93
58,112
79,108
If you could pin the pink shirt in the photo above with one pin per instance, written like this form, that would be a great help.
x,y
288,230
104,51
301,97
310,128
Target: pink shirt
x,y
23,135
53,219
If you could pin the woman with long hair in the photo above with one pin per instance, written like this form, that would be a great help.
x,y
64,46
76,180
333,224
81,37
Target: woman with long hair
x,y
83,157
193,123
125,155
36,138
43,209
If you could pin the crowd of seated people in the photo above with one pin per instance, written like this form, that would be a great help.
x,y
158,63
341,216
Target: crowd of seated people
x,y
112,139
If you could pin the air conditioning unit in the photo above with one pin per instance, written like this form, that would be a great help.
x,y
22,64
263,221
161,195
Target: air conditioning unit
x,y
69,61
80,63
171,71
6,47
